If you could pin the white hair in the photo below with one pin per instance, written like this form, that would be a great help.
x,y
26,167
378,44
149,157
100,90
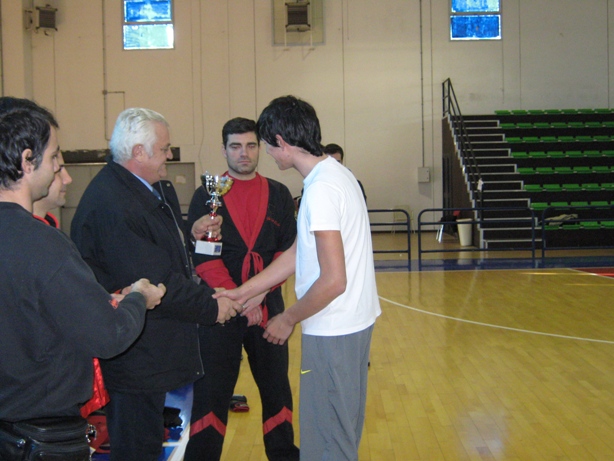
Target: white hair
x,y
134,126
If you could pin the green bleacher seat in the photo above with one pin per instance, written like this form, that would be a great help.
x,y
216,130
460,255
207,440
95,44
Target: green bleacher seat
x,y
520,155
593,153
544,170
549,139
503,112
593,124
541,125
586,111
582,169
601,138
508,126
524,125
556,154
552,187
574,153
575,124
590,224
563,169
571,226
513,139
608,224
608,153
566,138
552,111
519,112
538,154
539,206
536,112
569,111
603,111
579,204
600,169
526,170
559,204
558,125
600,203
591,186
608,124
533,188
607,186
572,187
530,139
584,138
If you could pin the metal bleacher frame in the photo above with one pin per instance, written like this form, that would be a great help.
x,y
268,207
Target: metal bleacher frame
x,y
546,221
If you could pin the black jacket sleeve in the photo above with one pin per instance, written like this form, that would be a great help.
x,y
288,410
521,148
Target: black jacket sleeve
x,y
87,314
131,256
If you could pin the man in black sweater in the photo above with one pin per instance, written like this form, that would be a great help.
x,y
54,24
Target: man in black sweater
x,y
55,316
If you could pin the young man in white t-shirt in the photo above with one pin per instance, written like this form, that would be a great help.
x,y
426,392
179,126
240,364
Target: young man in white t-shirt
x,y
335,284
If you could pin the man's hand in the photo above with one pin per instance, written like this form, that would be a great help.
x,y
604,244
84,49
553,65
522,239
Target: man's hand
x,y
207,224
253,304
278,330
254,316
153,294
227,309
235,294
119,297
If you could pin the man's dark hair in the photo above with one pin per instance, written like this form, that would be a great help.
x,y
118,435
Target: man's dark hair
x,y
295,121
23,125
332,148
239,125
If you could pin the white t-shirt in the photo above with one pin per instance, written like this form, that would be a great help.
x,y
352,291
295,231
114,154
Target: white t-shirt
x,y
332,200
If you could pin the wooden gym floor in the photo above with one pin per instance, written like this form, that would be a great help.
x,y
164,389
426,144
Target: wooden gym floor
x,y
508,365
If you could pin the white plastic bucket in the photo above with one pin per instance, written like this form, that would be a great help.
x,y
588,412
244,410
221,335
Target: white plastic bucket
x,y
464,231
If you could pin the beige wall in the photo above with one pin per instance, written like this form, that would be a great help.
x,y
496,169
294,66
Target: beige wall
x,y
375,82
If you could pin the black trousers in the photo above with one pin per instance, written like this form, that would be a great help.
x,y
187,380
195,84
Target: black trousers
x,y
221,348
136,425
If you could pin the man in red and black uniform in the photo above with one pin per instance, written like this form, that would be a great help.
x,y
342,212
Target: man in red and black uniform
x,y
258,224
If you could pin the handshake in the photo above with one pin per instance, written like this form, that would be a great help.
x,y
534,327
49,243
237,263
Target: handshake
x,y
229,306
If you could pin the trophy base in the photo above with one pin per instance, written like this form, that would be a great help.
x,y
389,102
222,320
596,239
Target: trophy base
x,y
208,248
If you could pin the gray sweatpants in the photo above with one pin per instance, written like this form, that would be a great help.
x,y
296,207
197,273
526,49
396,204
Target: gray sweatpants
x,y
333,395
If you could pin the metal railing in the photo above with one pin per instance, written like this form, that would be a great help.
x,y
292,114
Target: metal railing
x,y
539,222
451,109
406,224
529,220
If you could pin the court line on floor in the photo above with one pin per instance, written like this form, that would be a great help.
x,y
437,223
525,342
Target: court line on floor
x,y
501,327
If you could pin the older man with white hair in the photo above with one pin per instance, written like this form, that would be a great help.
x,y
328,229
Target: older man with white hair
x,y
129,222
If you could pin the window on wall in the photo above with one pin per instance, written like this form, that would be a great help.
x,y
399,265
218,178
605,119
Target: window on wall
x,y
475,19
148,25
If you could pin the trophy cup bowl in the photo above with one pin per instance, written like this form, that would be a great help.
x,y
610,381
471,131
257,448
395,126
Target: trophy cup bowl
x,y
216,186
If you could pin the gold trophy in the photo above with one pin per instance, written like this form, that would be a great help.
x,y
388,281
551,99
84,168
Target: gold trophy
x,y
216,186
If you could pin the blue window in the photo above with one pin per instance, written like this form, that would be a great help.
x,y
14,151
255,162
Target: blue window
x,y
148,24
475,19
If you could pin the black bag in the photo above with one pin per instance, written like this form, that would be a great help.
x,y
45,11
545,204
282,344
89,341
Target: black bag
x,y
45,439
